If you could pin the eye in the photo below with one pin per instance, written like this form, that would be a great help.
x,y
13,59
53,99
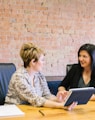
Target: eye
x,y
85,56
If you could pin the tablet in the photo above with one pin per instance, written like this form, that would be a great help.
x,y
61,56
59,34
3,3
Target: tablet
x,y
80,95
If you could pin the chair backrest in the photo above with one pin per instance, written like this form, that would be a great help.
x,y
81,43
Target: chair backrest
x,y
68,67
6,71
53,86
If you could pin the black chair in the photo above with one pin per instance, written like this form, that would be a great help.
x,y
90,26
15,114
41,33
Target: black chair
x,y
6,71
68,67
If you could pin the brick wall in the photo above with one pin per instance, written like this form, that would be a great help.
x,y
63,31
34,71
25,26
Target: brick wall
x,y
60,27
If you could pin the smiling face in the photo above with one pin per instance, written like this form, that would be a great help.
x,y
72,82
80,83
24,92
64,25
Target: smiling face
x,y
84,59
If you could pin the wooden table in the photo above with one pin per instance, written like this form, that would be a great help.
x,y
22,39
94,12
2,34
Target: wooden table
x,y
81,112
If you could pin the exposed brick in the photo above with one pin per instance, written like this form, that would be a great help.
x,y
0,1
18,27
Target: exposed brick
x,y
59,27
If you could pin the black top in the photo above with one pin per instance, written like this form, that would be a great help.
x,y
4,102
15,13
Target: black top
x,y
72,78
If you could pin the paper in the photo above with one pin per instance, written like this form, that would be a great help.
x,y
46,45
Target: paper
x,y
10,110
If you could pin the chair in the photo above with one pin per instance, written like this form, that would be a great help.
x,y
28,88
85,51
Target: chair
x,y
53,86
68,67
6,71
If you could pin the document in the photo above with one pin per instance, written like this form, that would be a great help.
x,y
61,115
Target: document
x,y
10,110
79,95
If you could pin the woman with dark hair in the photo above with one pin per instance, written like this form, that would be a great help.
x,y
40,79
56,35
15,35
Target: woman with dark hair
x,y
83,73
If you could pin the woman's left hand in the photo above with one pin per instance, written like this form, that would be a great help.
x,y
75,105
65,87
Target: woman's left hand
x,y
72,106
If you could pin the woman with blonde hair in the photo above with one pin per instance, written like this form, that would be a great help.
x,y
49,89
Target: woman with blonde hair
x,y
28,85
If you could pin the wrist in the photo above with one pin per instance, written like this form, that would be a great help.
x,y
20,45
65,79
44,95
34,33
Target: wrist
x,y
61,88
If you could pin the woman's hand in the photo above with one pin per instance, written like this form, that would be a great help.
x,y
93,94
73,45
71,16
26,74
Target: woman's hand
x,y
71,107
61,95
92,97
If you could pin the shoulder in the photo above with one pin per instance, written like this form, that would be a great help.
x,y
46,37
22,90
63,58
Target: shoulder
x,y
21,70
21,73
75,68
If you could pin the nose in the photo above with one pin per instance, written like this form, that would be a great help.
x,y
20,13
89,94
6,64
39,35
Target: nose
x,y
80,58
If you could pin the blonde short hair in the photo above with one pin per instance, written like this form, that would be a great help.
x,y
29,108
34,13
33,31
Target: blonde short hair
x,y
28,52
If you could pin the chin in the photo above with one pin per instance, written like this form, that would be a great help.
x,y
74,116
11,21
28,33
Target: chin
x,y
82,65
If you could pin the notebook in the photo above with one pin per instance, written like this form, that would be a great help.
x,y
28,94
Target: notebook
x,y
79,95
10,110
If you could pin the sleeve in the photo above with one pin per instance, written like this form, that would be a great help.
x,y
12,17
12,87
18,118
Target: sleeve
x,y
46,92
26,92
67,79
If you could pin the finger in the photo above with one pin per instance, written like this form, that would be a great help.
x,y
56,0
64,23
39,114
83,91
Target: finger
x,y
72,105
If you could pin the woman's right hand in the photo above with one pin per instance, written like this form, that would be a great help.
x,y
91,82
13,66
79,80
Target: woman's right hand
x,y
61,95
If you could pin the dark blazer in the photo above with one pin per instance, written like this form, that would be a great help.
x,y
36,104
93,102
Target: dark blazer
x,y
73,76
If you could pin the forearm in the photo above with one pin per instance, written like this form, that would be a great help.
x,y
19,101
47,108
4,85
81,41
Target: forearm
x,y
53,98
53,104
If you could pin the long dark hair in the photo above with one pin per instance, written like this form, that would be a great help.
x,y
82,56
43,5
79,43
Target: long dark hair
x,y
90,49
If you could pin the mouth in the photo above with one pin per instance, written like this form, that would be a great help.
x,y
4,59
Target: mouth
x,y
82,64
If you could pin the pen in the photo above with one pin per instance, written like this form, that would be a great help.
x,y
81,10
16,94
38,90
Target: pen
x,y
42,113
